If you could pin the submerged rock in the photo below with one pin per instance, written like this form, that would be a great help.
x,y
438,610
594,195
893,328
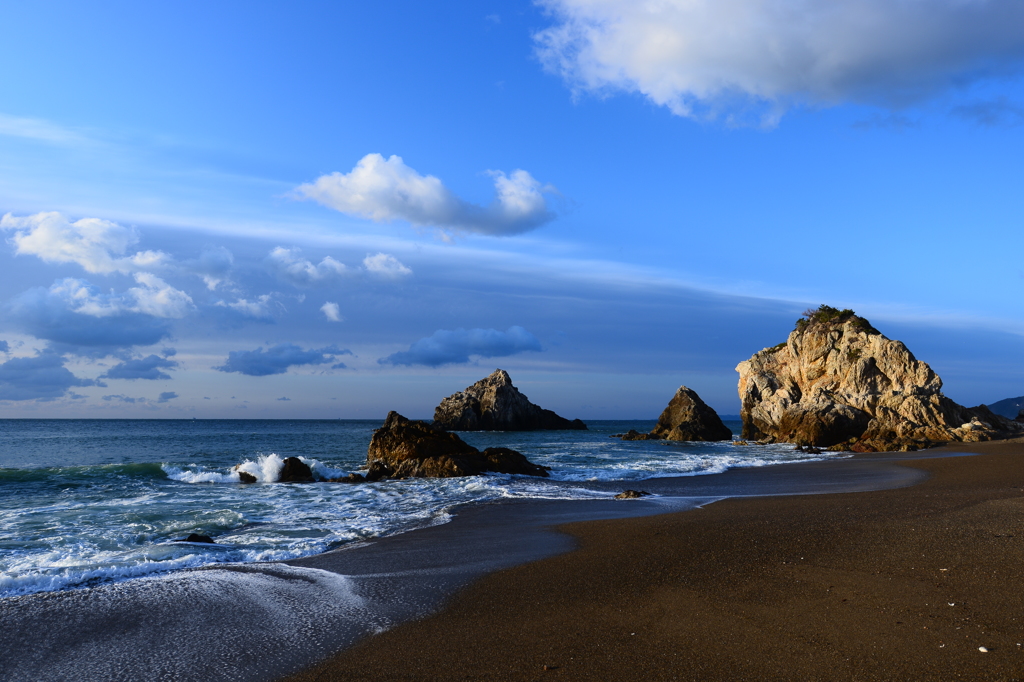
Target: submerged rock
x,y
404,448
687,417
631,494
494,404
295,471
633,434
196,537
837,382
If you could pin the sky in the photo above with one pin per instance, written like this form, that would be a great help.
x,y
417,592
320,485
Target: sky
x,y
336,209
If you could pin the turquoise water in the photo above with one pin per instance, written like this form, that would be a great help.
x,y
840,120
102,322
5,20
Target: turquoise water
x,y
89,501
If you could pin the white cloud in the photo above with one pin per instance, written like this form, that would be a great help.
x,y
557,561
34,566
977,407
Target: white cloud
x,y
386,265
386,189
698,56
90,242
288,264
155,298
332,312
98,246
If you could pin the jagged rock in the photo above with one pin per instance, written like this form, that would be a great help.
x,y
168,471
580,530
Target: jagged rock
x,y
494,404
246,477
295,471
1020,416
404,448
838,382
196,537
687,417
631,494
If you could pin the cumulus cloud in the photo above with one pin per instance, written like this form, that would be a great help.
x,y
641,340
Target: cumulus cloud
x,y
332,312
289,265
386,189
697,57
99,247
141,368
386,265
154,298
446,347
92,243
166,395
41,377
277,359
77,315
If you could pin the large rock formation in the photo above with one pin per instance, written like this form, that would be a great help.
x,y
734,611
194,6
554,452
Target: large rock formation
x,y
687,417
837,381
403,448
494,404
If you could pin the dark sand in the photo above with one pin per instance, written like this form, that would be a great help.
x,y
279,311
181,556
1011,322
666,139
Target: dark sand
x,y
901,584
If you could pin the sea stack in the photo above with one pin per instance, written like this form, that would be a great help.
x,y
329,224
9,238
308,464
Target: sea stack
x,y
687,417
405,448
494,404
838,382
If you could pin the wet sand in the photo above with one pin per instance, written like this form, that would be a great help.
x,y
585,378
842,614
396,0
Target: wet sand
x,y
901,584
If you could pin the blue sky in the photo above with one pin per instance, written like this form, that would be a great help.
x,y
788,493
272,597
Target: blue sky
x,y
332,209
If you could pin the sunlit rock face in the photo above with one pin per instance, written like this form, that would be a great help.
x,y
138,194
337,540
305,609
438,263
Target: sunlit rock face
x,y
837,381
494,404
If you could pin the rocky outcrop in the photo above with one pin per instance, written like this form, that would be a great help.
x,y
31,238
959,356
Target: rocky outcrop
x,y
403,448
295,471
196,537
837,381
687,417
494,404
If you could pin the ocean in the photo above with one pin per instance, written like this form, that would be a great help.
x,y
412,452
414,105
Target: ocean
x,y
89,502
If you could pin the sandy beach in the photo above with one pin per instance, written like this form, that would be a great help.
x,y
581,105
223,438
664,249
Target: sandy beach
x,y
908,583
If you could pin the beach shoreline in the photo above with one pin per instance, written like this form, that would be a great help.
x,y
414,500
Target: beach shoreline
x,y
264,621
904,583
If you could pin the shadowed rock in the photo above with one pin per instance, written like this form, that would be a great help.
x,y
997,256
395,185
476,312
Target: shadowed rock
x,y
633,434
246,477
403,448
196,537
687,417
838,382
494,404
295,471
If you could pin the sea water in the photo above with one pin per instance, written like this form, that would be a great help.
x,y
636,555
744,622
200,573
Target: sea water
x,y
85,502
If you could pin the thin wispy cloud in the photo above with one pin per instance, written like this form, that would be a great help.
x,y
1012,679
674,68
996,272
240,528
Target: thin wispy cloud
x,y
711,58
384,190
40,130
999,112
458,346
